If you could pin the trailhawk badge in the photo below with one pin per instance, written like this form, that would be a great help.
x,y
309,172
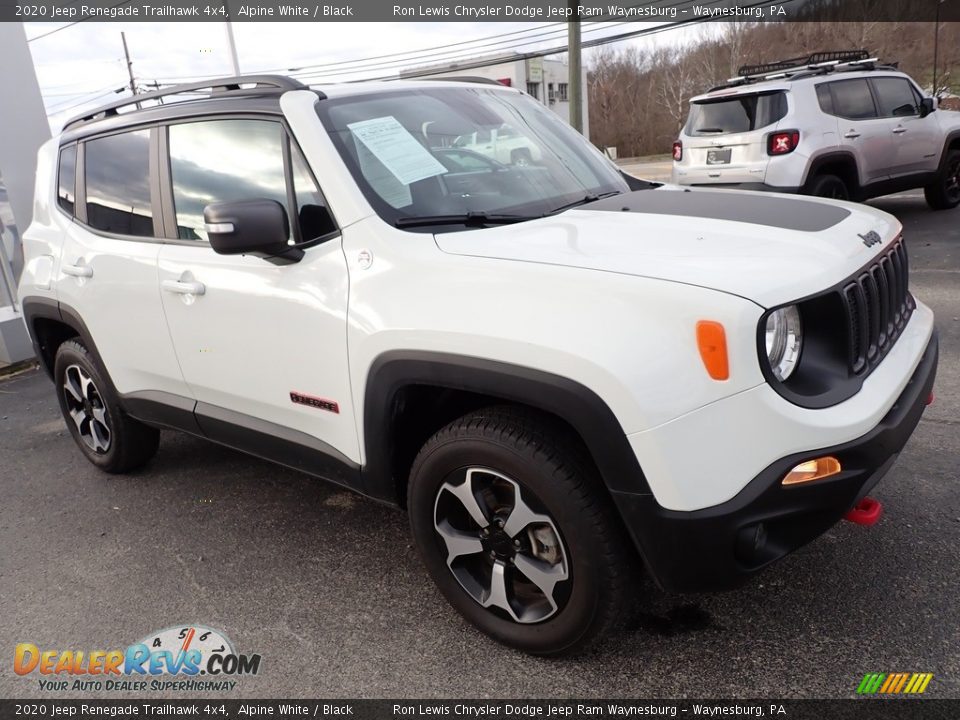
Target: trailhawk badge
x,y
871,238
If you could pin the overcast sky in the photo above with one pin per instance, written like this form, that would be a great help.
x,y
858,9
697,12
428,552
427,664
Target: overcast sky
x,y
80,66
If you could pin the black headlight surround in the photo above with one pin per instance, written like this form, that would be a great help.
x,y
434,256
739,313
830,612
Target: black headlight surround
x,y
847,330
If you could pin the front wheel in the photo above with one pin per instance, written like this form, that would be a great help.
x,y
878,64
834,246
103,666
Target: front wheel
x,y
944,192
517,531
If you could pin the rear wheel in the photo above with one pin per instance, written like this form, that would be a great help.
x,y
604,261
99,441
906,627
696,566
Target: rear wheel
x,y
829,186
107,437
517,532
944,192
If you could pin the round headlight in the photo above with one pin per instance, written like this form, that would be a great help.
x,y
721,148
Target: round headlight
x,y
784,340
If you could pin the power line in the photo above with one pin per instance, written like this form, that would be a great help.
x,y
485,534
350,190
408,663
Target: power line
x,y
449,56
417,54
75,22
58,110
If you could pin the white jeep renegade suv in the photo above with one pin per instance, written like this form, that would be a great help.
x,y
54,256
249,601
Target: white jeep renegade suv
x,y
561,372
834,125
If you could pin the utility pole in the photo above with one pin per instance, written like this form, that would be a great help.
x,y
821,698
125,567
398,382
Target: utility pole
x,y
573,63
232,45
936,46
126,53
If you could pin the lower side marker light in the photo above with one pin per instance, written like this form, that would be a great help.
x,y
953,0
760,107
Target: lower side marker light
x,y
812,470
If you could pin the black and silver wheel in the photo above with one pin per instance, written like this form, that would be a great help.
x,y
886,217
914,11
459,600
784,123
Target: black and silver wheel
x,y
944,192
85,407
506,556
517,531
108,438
829,186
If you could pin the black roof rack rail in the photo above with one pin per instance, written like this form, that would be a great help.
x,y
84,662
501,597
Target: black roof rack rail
x,y
216,86
458,78
817,58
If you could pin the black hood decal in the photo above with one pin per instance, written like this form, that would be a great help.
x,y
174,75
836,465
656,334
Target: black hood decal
x,y
771,210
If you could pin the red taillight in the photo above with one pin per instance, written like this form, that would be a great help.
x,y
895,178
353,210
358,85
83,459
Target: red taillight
x,y
678,151
783,142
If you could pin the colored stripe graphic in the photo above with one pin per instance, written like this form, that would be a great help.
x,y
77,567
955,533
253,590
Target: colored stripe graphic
x,y
894,683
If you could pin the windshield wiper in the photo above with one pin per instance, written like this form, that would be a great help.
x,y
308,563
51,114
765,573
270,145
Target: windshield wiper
x,y
470,219
588,198
709,130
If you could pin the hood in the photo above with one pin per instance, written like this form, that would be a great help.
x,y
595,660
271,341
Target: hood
x,y
771,249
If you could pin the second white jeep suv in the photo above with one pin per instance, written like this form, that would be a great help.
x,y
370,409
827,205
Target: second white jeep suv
x,y
563,374
833,124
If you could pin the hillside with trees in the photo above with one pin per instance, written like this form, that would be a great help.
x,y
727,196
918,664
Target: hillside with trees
x,y
639,97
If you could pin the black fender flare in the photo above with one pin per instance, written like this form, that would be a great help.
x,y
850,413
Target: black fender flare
x,y
829,157
952,137
562,397
35,308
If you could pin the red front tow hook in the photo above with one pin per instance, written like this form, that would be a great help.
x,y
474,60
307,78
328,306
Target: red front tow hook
x,y
930,398
866,512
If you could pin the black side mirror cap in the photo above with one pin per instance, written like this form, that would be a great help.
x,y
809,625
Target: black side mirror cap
x,y
251,227
927,106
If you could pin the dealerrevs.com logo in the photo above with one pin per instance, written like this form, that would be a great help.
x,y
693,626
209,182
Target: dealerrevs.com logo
x,y
190,658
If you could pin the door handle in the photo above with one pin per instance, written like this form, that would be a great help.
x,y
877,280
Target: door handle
x,y
80,271
183,288
852,134
899,130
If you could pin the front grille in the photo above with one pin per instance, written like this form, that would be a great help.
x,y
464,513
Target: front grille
x,y
878,305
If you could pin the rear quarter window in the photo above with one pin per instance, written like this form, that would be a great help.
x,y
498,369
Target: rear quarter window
x,y
740,113
117,171
67,179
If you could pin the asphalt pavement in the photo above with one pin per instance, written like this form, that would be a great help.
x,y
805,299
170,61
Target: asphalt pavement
x,y
326,587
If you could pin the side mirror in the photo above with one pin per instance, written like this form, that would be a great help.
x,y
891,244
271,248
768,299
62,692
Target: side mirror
x,y
927,106
251,227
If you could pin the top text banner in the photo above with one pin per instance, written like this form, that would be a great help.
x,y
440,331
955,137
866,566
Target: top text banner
x,y
656,11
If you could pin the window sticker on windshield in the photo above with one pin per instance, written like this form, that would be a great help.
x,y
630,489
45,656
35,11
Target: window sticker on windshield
x,y
397,149
382,180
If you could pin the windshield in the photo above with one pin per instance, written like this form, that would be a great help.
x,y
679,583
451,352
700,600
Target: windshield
x,y
453,152
736,114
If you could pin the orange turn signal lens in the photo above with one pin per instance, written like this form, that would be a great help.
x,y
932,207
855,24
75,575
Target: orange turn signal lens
x,y
812,470
712,342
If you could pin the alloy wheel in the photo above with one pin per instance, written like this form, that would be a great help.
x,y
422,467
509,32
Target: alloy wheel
x,y
951,183
86,408
507,556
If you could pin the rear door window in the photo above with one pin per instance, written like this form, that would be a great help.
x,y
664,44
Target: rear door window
x,y
852,99
117,172
740,113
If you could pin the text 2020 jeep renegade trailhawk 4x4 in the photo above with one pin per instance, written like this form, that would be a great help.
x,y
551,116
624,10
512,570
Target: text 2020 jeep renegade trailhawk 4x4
x,y
559,371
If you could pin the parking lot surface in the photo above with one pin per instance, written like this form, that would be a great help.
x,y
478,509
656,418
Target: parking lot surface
x,y
326,586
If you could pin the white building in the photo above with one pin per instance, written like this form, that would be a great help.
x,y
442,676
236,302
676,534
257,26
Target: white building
x,y
544,79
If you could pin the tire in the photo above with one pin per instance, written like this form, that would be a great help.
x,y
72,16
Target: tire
x,y
829,186
572,536
111,440
944,193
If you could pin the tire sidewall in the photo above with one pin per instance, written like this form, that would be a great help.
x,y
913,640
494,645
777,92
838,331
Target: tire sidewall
x,y
952,159
565,628
74,353
825,181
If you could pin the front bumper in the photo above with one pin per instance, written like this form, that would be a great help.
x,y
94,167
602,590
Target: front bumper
x,y
719,547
